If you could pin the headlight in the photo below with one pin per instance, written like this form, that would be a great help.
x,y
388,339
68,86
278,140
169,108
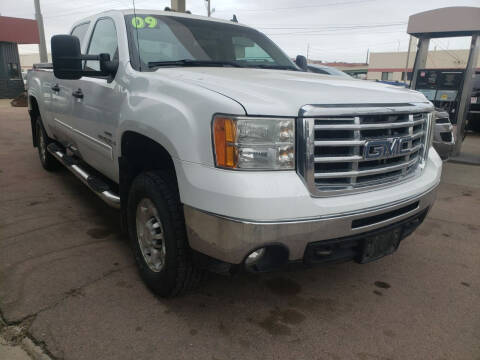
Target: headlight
x,y
247,143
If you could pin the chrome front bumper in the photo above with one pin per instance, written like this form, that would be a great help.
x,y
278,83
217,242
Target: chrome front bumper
x,y
231,240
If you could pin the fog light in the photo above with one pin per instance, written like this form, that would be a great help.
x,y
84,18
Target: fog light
x,y
254,256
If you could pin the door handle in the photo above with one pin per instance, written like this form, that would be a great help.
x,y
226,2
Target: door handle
x,y
78,94
56,88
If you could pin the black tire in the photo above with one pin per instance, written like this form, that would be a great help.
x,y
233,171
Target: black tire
x,y
178,273
47,160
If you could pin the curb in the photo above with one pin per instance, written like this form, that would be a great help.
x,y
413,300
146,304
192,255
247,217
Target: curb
x,y
26,344
33,350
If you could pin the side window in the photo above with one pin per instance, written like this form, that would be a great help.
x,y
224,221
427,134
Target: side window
x,y
103,40
80,31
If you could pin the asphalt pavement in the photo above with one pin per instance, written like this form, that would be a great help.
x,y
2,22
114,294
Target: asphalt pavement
x,y
69,285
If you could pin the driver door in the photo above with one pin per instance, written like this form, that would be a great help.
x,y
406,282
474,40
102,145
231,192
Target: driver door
x,y
97,104
61,99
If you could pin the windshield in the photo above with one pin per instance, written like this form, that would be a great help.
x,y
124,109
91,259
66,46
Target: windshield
x,y
154,39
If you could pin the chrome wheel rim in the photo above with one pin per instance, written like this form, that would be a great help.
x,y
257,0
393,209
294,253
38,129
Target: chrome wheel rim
x,y
150,235
41,145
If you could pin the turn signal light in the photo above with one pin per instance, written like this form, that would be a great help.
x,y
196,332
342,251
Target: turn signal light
x,y
224,138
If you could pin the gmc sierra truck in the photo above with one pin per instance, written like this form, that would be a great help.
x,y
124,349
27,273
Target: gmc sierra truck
x,y
222,153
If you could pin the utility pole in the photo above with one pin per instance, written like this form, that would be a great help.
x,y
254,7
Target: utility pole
x,y
308,51
209,13
42,47
178,5
368,52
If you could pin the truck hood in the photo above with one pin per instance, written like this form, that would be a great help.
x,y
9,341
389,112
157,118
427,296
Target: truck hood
x,y
283,93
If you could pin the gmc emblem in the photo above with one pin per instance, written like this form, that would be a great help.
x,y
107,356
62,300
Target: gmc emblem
x,y
375,149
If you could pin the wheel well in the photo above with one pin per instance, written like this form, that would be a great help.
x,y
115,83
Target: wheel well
x,y
139,154
34,112
144,153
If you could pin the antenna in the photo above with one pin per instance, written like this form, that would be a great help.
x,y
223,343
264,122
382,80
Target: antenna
x,y
136,33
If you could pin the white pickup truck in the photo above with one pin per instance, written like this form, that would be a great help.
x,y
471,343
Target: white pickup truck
x,y
223,153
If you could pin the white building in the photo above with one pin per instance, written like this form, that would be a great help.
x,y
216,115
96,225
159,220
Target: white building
x,y
390,66
27,60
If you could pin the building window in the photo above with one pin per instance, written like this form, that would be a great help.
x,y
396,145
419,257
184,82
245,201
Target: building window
x,y
13,71
387,76
409,76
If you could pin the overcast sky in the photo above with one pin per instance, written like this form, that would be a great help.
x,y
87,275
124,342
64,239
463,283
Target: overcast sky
x,y
335,30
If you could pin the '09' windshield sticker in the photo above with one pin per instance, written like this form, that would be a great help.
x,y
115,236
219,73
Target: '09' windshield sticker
x,y
148,21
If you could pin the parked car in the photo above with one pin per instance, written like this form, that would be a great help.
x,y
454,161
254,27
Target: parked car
x,y
443,139
327,70
221,153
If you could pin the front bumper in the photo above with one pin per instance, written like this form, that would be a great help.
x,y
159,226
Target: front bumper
x,y
231,240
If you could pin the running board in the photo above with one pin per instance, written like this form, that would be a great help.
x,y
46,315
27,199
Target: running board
x,y
98,186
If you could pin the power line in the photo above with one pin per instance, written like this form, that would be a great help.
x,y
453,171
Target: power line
x,y
325,27
336,33
302,7
448,52
92,9
358,46
334,26
344,28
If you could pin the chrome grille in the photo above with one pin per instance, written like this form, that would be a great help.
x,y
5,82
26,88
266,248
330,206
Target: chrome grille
x,y
351,150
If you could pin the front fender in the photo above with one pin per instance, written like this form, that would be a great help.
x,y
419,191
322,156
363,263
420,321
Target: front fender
x,y
175,114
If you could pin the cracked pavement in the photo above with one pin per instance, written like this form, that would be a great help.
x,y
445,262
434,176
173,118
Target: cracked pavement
x,y
68,279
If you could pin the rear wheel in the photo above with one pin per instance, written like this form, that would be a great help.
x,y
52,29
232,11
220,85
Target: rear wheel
x,y
157,234
46,159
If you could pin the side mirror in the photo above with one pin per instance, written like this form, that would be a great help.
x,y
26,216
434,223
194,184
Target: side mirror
x,y
66,57
68,61
301,62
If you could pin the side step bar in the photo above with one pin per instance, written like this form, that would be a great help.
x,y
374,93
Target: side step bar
x,y
99,187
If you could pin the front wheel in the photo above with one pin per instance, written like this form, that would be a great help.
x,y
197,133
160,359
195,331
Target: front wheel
x,y
157,234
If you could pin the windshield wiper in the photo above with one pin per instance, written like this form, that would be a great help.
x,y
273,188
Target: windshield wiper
x,y
276,67
190,62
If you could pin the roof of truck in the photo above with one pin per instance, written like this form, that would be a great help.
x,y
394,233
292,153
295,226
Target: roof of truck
x,y
157,12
